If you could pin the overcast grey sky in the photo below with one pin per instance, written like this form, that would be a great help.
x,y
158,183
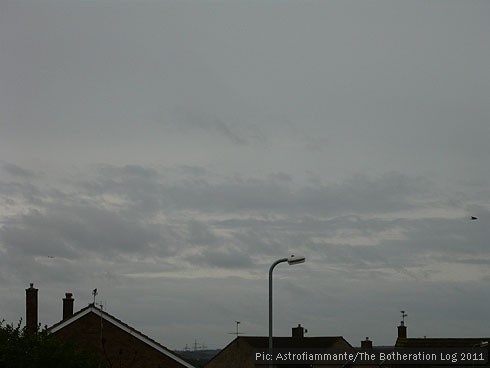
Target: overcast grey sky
x,y
167,152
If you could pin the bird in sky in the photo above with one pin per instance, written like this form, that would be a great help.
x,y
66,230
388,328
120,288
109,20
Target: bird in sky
x,y
474,218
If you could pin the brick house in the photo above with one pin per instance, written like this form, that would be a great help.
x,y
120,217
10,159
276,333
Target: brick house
x,y
119,344
425,343
240,352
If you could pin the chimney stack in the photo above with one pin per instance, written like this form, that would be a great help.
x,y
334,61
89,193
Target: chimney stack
x,y
31,309
366,344
68,305
402,330
299,331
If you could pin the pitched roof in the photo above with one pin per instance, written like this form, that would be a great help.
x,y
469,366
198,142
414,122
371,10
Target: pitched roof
x,y
439,342
292,342
285,342
91,308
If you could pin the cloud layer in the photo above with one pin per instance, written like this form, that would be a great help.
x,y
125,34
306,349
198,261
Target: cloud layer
x,y
184,235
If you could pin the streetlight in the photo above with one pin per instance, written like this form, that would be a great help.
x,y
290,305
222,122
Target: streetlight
x,y
291,261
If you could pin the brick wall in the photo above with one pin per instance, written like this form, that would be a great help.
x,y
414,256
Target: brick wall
x,y
119,348
239,354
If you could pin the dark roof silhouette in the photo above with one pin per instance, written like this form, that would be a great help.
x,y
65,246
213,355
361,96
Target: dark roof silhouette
x,y
283,342
292,342
436,342
91,308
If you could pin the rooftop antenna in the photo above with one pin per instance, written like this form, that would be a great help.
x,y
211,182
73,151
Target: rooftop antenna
x,y
403,317
236,332
237,324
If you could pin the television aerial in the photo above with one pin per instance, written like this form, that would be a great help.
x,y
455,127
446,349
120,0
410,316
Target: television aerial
x,y
236,331
403,316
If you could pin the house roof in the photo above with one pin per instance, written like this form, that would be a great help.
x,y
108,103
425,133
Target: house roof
x,y
286,342
91,308
292,342
439,342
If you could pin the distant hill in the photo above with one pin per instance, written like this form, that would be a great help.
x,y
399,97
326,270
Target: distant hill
x,y
198,357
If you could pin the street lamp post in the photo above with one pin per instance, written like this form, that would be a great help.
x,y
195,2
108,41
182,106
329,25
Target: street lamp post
x,y
291,261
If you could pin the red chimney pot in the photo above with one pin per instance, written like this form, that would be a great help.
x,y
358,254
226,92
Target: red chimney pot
x,y
68,305
31,309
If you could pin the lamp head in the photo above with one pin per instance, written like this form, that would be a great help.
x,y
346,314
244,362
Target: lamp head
x,y
292,260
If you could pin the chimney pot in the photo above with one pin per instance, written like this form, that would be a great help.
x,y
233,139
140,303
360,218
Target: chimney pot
x,y
298,331
68,305
31,309
366,344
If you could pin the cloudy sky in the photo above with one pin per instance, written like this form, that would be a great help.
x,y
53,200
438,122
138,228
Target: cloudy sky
x,y
167,152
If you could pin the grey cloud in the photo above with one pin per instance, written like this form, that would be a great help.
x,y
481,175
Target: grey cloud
x,y
191,191
69,231
128,172
280,177
391,192
361,193
199,122
443,236
17,171
138,186
279,216
190,171
13,190
484,262
200,233
224,258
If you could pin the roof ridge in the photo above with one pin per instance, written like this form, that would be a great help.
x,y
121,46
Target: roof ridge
x,y
91,308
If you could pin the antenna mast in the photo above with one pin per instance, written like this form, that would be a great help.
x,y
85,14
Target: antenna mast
x,y
237,323
236,333
403,317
